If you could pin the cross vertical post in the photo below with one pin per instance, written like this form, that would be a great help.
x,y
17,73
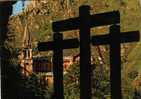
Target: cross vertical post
x,y
84,22
85,69
115,62
58,66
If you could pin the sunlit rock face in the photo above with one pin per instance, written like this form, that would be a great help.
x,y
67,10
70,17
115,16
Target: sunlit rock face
x,y
34,3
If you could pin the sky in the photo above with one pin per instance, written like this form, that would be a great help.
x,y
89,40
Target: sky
x,y
17,8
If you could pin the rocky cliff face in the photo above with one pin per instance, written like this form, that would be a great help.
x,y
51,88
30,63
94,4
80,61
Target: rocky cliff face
x,y
41,13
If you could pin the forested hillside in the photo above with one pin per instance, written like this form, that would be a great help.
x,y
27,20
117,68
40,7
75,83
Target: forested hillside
x,y
40,18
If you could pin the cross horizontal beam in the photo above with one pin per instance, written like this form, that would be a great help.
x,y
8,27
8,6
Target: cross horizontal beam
x,y
95,20
84,22
125,37
66,44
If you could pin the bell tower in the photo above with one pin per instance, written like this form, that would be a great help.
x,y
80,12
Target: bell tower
x,y
25,57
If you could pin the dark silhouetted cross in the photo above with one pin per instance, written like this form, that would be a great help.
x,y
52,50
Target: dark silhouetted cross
x,y
84,22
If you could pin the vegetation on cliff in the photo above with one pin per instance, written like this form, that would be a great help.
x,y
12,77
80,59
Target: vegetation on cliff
x,y
40,20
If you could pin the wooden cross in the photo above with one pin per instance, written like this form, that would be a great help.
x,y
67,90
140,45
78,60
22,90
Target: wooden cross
x,y
57,46
114,39
84,22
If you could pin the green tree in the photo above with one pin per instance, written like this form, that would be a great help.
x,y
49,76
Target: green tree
x,y
31,88
100,83
71,83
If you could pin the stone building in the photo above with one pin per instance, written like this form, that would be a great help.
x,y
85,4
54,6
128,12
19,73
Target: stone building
x,y
25,54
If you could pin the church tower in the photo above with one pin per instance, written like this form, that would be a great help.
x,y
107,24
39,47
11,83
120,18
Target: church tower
x,y
25,57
